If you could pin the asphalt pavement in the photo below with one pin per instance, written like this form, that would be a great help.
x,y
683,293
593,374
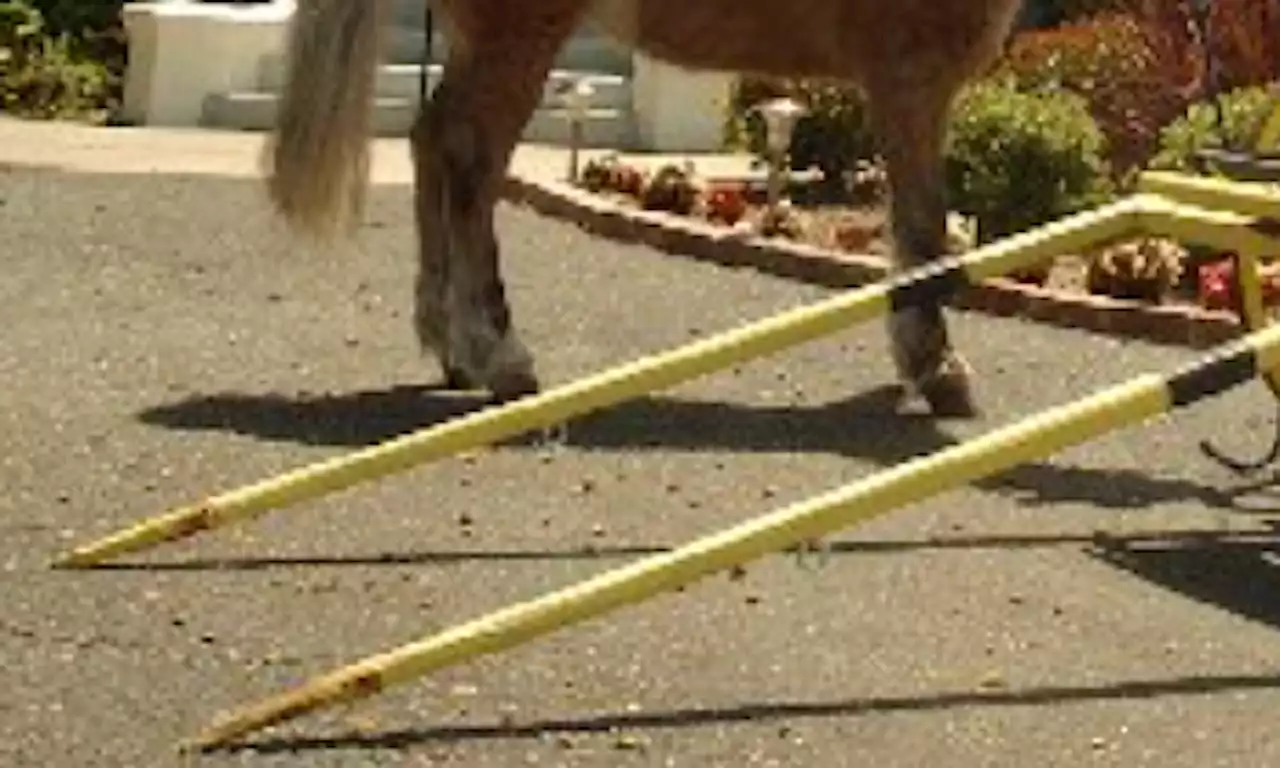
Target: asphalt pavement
x,y
162,339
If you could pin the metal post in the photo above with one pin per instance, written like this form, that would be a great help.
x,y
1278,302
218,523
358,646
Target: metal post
x,y
780,116
577,101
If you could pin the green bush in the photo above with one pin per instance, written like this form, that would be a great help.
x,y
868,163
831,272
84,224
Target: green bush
x,y
1019,159
1243,111
61,71
742,128
79,18
1015,158
835,135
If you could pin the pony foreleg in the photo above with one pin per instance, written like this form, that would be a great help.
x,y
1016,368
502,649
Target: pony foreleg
x,y
911,123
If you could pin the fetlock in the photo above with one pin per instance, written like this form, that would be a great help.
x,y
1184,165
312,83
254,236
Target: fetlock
x,y
949,389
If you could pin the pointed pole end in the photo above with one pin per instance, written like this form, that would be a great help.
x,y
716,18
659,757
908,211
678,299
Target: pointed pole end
x,y
209,739
76,559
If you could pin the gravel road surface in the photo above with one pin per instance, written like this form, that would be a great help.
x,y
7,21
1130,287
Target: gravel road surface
x,y
161,339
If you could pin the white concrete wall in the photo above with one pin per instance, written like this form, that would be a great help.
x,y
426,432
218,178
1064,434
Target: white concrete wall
x,y
676,109
181,52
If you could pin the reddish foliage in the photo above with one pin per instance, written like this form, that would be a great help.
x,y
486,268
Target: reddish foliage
x,y
1244,38
1141,68
1109,60
1253,52
628,180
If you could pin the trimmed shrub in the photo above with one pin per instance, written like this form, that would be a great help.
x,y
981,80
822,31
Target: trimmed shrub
x,y
742,127
1018,159
1242,112
1250,41
1015,158
1242,37
1130,93
79,18
71,68
1140,65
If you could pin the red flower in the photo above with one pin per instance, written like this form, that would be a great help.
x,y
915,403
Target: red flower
x,y
727,203
1216,284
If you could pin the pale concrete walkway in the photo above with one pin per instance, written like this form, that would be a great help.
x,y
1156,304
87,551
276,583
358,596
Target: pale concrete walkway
x,y
85,148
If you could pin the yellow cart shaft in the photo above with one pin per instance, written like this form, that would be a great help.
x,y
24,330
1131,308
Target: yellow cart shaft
x,y
625,382
1037,436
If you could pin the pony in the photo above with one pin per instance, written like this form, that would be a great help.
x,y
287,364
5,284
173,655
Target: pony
x,y
910,58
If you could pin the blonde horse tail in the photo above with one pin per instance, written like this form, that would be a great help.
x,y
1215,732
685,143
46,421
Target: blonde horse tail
x,y
317,159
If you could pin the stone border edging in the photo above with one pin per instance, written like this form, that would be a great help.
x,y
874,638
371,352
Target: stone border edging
x,y
683,236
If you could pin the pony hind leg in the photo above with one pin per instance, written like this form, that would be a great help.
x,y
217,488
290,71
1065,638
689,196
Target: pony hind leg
x,y
462,142
430,318
910,122
460,308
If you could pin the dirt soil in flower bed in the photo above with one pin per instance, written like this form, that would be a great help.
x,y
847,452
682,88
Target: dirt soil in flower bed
x,y
863,230
853,219
828,226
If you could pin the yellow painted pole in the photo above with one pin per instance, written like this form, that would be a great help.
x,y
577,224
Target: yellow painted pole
x,y
1252,308
1189,222
1037,436
1227,231
616,385
1242,197
1269,134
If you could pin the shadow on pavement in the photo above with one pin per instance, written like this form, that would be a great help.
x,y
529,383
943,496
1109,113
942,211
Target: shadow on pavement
x,y
1231,571
754,713
349,420
1238,575
1184,537
864,426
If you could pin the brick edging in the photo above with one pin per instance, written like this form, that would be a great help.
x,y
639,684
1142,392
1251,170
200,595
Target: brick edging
x,y
1178,325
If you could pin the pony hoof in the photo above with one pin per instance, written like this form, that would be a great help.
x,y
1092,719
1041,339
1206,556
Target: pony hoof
x,y
514,386
456,379
950,396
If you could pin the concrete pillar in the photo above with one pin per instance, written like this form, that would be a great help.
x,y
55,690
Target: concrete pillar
x,y
181,51
677,109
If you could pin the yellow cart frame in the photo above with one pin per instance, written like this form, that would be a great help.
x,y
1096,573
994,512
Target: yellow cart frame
x,y
1238,217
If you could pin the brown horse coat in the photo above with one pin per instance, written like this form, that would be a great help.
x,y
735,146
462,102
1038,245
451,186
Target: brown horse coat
x,y
910,57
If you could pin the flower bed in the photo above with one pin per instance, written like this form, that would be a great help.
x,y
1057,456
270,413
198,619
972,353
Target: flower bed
x,y
1151,271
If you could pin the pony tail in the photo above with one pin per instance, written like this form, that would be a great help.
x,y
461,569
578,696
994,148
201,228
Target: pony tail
x,y
317,159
